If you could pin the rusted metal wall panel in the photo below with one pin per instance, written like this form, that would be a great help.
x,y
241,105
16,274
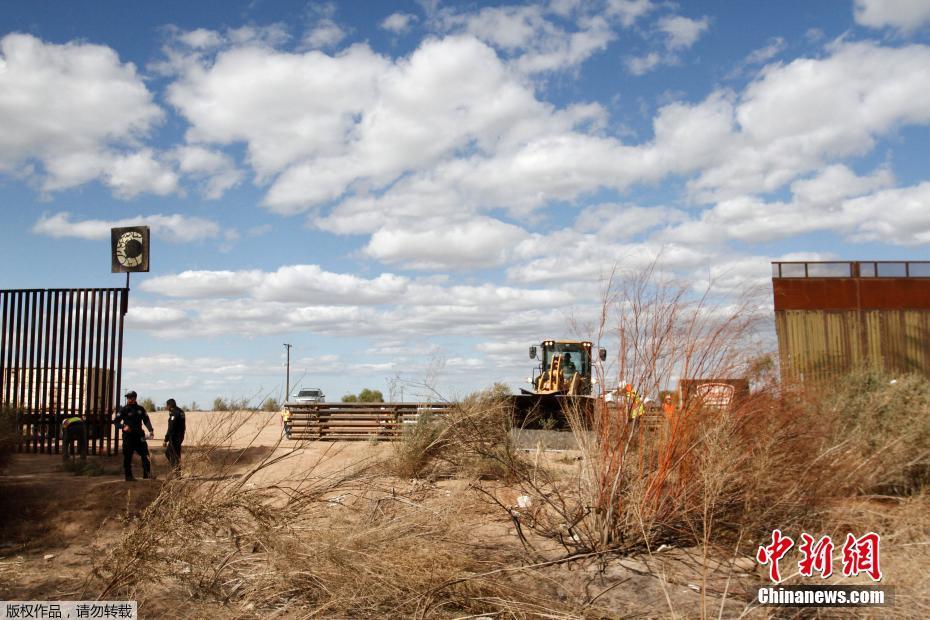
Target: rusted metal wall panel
x,y
58,359
820,344
831,317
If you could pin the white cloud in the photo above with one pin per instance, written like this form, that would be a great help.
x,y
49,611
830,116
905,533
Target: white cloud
x,y
398,23
569,256
271,35
622,222
427,108
75,109
641,65
740,275
392,148
139,172
834,200
757,57
309,284
798,116
326,33
202,365
214,169
306,297
201,38
172,228
286,107
528,35
904,15
764,54
894,216
482,242
679,34
682,32
143,317
629,11
204,284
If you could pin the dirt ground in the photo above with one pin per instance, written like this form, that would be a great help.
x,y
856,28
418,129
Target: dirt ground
x,y
54,522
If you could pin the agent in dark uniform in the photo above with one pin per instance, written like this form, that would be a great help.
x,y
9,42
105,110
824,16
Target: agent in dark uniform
x,y
74,429
175,435
131,418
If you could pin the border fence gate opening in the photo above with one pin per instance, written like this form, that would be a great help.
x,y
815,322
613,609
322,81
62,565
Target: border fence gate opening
x,y
61,355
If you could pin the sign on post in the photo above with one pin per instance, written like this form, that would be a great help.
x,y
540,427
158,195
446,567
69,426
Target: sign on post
x,y
130,249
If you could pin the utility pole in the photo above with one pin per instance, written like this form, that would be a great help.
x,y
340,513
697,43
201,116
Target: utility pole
x,y
287,384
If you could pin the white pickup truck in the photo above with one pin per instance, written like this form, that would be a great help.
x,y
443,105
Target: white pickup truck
x,y
308,395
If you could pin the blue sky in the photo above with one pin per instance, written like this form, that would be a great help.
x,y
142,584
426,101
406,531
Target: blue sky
x,y
415,192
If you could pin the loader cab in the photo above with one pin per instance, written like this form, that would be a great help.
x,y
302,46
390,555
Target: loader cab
x,y
574,356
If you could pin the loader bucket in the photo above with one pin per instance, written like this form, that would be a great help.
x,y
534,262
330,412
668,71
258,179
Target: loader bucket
x,y
550,411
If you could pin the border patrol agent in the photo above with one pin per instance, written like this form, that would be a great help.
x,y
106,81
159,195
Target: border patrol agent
x,y
131,418
175,435
74,429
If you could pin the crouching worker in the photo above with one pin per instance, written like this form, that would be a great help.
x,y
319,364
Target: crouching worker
x,y
74,429
131,418
175,435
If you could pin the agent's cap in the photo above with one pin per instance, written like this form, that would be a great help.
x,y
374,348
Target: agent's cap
x,y
131,394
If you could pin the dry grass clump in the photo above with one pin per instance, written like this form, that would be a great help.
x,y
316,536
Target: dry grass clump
x,y
880,427
728,478
473,440
904,525
343,544
415,455
644,481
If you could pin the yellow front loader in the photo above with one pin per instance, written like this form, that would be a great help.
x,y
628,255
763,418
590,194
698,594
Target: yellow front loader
x,y
563,378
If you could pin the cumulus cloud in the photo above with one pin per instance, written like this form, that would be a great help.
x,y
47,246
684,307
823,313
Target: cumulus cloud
x,y
530,37
142,317
682,32
309,298
398,23
836,200
904,15
213,317
629,11
482,242
214,169
740,275
678,34
622,222
797,116
201,38
571,256
393,148
202,365
326,33
764,54
895,216
641,65
205,284
172,228
285,107
310,284
79,112
139,172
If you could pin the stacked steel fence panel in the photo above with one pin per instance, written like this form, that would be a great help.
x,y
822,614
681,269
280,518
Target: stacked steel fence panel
x,y
356,421
61,356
